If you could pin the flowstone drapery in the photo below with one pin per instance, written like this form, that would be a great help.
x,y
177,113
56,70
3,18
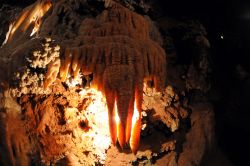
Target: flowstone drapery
x,y
117,48
77,77
120,48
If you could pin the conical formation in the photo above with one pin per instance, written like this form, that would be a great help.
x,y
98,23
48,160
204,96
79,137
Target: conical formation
x,y
29,20
116,47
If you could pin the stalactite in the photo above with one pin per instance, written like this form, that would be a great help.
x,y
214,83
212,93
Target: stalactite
x,y
118,49
30,16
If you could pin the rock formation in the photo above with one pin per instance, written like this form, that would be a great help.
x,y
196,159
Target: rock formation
x,y
76,79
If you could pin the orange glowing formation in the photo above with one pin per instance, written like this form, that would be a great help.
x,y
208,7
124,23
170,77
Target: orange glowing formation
x,y
119,47
132,128
29,18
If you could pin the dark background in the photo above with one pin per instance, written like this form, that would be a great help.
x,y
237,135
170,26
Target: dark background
x,y
230,58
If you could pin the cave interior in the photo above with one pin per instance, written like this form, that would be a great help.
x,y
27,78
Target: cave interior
x,y
124,82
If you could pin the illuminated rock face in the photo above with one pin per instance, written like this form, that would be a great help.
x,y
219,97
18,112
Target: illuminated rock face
x,y
61,77
30,18
72,125
119,47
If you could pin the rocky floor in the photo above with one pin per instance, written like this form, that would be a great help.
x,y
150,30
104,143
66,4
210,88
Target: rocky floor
x,y
63,129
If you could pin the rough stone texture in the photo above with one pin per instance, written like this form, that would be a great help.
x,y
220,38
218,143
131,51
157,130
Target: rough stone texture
x,y
161,102
14,145
31,78
12,13
119,47
201,138
64,124
55,126
187,49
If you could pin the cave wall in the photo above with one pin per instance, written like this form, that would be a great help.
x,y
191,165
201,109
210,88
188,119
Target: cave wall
x,y
188,73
